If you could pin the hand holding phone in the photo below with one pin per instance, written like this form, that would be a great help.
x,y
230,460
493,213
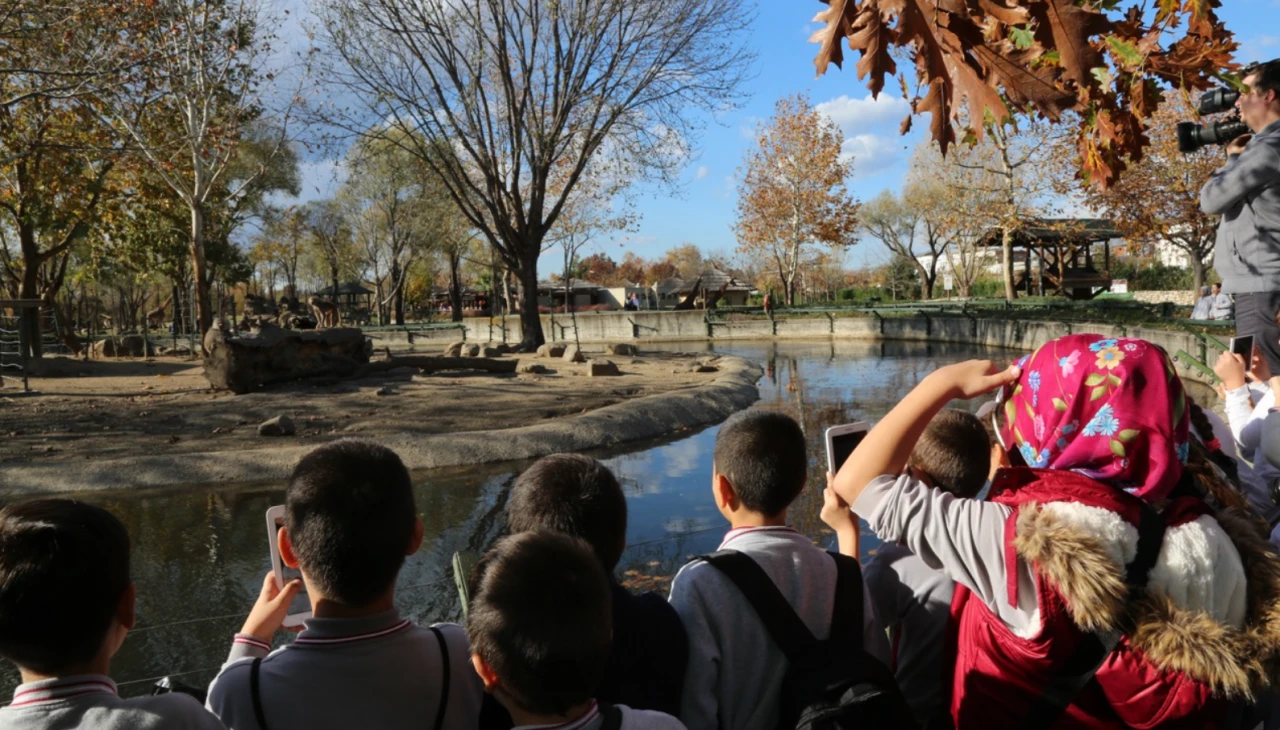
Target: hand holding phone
x,y
270,609
1243,346
300,604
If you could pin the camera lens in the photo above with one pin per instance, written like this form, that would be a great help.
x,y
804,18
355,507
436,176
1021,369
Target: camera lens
x,y
1218,100
1192,136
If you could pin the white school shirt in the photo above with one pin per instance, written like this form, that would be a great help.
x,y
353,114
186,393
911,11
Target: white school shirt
x,y
735,671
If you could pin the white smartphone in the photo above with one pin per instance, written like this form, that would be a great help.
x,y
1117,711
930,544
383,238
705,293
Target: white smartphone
x,y
1243,346
300,609
842,440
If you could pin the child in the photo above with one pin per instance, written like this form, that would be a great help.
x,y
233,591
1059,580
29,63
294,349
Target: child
x,y
1072,547
579,496
913,600
66,604
540,628
735,673
349,523
1246,409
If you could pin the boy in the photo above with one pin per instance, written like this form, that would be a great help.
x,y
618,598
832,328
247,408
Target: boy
x,y
579,496
66,604
349,523
539,626
735,672
912,600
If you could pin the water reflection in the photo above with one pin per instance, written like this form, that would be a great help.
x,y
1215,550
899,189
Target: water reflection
x,y
199,555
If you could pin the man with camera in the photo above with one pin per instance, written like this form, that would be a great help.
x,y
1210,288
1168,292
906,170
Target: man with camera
x,y
1246,193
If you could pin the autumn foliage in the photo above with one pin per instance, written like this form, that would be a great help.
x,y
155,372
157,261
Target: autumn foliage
x,y
1107,61
792,193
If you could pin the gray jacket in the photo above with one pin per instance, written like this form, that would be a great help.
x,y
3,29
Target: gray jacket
x,y
1246,193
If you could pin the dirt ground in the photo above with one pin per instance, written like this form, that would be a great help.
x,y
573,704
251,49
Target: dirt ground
x,y
124,408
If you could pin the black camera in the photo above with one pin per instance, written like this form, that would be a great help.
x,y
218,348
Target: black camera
x,y
1192,136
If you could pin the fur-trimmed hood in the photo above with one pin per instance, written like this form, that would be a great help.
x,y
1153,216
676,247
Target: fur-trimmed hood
x,y
1211,609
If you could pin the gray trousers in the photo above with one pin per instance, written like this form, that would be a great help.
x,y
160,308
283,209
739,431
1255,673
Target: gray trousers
x,y
1256,315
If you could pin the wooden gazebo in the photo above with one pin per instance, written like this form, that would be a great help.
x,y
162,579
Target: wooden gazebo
x,y
1064,249
349,296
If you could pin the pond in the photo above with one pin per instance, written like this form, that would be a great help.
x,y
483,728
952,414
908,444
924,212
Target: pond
x,y
199,555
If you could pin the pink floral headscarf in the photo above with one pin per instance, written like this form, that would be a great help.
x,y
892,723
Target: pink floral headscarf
x,y
1112,409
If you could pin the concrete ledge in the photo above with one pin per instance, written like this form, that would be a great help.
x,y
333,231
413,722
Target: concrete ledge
x,y
639,419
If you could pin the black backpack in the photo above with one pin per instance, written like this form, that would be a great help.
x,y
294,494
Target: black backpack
x,y
832,684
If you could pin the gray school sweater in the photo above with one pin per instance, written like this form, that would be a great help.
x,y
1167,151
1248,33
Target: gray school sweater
x,y
90,701
913,601
735,671
379,671
631,720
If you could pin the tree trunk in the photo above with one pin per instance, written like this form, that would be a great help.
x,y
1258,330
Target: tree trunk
x,y
199,270
455,287
926,280
1006,248
1197,272
531,337
397,296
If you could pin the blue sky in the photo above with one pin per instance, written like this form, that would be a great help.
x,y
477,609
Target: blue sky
x,y
703,211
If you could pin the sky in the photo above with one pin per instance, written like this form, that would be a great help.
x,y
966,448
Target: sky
x,y
703,210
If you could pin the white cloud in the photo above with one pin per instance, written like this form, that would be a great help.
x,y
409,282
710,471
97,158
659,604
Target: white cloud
x,y
747,129
872,153
860,116
702,172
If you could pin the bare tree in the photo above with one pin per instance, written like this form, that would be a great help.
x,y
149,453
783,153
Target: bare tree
x,y
911,226
521,88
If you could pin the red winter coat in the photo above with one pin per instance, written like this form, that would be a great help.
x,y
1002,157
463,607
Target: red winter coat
x,y
1176,668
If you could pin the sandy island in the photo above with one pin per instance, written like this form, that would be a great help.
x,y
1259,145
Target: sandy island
x,y
122,424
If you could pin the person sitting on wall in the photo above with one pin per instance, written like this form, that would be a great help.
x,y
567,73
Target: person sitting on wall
x,y
1224,307
1204,305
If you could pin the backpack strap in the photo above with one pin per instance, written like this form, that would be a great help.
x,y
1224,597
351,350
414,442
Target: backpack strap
x,y
612,716
780,619
1095,647
444,679
255,692
847,616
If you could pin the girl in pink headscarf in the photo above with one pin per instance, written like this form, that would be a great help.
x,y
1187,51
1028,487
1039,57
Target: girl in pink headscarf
x,y
1095,554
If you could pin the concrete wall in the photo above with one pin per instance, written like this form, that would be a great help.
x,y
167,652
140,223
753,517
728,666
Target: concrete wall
x,y
669,326
1187,297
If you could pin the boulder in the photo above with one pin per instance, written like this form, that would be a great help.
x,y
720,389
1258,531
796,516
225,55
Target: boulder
x,y
573,354
274,355
385,390
505,348
123,346
454,349
624,349
470,350
698,367
531,368
281,425
490,352
598,368
550,350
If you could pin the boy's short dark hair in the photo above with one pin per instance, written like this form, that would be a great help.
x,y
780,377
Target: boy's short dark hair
x,y
350,515
955,451
541,618
762,452
64,566
573,494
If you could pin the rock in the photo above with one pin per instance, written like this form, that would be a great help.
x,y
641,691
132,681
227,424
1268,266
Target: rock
x,y
573,354
622,349
246,363
470,350
384,390
709,360
454,349
703,368
550,350
531,368
123,346
281,425
507,348
598,368
490,352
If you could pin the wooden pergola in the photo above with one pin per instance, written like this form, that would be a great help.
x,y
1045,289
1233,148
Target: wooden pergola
x,y
1064,248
